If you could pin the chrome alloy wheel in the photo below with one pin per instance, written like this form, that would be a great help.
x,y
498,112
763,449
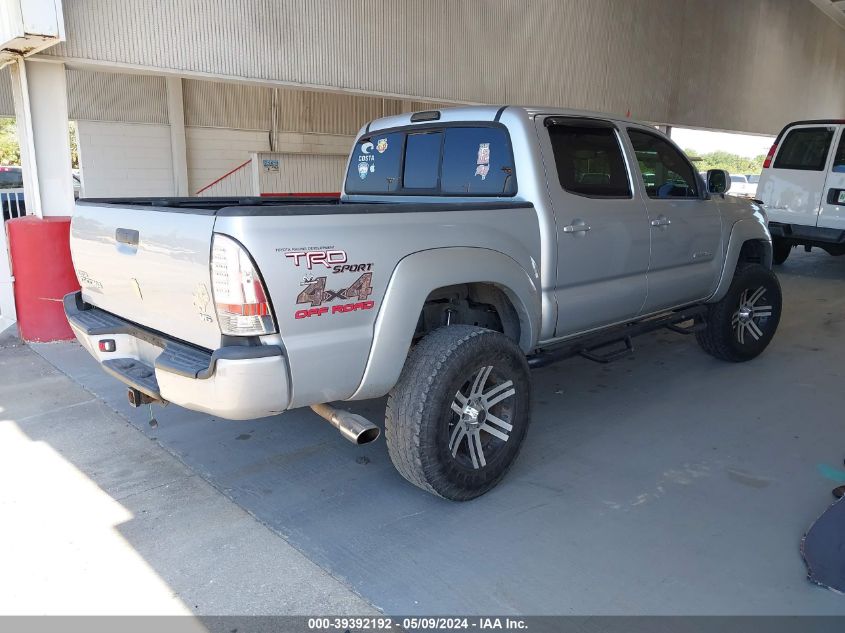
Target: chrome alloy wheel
x,y
483,410
750,314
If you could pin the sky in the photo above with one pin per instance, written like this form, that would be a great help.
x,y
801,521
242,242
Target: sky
x,y
704,142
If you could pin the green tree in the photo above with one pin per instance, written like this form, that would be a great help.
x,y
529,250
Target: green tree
x,y
734,163
10,151
74,146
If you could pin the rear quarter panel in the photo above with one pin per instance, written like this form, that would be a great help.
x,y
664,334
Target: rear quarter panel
x,y
327,338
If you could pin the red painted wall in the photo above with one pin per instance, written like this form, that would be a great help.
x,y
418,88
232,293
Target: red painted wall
x,y
43,271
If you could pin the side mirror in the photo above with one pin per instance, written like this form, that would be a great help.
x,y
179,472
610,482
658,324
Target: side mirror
x,y
718,181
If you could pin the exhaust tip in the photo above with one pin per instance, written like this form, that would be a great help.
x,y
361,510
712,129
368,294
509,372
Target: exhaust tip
x,y
368,435
355,428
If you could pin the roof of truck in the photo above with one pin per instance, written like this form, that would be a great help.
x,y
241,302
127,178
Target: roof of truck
x,y
481,113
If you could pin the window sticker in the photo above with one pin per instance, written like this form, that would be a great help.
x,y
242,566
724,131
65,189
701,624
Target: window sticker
x,y
483,154
366,164
482,167
381,146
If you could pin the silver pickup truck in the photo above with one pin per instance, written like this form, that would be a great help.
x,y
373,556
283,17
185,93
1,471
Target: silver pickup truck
x,y
468,245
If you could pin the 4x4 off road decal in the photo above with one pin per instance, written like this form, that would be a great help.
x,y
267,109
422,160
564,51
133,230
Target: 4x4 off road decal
x,y
316,294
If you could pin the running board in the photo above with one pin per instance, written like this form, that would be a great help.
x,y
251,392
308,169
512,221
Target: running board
x,y
587,345
590,354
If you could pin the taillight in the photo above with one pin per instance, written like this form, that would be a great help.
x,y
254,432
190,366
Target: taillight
x,y
770,156
239,295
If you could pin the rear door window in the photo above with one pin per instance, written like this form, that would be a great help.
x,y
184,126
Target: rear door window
x,y
805,148
376,164
589,161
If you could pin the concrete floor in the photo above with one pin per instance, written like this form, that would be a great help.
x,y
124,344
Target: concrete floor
x,y
99,520
666,483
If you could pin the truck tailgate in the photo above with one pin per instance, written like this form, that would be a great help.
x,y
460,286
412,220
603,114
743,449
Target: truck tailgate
x,y
149,265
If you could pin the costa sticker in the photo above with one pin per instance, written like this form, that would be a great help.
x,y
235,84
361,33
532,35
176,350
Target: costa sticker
x,y
366,148
381,146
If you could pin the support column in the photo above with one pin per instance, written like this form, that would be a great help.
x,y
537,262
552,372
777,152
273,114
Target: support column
x,y
23,120
178,146
50,136
38,242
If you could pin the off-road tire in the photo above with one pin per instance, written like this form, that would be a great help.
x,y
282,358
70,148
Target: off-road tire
x,y
780,251
721,337
420,424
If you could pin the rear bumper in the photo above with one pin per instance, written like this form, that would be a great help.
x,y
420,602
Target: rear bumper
x,y
235,382
810,235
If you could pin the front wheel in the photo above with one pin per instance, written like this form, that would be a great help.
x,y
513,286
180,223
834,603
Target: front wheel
x,y
741,325
456,418
780,251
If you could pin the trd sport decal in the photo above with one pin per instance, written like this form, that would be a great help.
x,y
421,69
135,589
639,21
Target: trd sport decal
x,y
327,258
316,294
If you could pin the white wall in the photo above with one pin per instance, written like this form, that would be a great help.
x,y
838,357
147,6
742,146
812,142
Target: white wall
x,y
125,159
294,142
302,173
214,151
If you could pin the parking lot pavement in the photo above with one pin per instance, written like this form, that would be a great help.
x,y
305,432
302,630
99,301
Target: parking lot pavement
x,y
666,483
98,519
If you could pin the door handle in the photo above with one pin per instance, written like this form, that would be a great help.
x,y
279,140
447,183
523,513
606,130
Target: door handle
x,y
661,220
576,228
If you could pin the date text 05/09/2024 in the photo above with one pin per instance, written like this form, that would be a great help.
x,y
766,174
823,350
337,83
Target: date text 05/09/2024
x,y
418,623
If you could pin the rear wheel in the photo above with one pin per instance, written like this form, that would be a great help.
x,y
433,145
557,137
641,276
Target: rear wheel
x,y
780,251
456,418
741,325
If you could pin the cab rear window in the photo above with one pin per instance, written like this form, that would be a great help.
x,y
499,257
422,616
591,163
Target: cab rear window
x,y
453,160
805,148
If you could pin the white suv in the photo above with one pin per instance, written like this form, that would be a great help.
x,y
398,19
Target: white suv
x,y
803,187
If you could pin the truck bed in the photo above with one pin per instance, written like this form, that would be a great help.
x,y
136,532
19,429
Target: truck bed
x,y
148,261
